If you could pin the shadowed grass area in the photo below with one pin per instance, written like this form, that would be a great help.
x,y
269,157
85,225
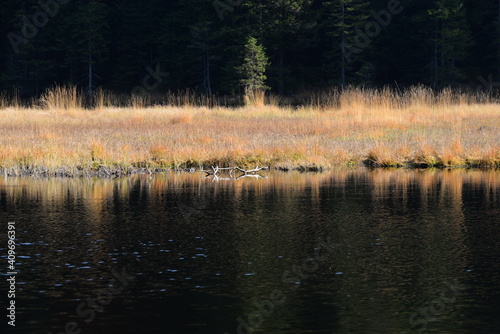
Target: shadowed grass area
x,y
376,127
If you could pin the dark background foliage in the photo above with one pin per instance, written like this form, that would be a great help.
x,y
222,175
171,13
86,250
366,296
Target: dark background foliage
x,y
117,44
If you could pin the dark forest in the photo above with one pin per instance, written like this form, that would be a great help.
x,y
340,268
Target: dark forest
x,y
137,46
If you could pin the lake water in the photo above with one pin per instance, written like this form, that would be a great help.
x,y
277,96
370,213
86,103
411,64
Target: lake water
x,y
351,251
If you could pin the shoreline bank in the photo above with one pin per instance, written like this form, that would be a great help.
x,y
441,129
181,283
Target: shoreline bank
x,y
105,171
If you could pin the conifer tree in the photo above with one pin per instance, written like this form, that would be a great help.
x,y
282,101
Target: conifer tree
x,y
254,67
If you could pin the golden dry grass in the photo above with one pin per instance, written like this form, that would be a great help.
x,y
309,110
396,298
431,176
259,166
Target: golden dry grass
x,y
380,127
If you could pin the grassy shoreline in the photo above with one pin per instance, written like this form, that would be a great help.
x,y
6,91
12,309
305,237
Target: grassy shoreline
x,y
374,128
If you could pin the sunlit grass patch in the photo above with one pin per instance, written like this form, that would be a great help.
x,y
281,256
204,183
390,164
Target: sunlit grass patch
x,y
417,127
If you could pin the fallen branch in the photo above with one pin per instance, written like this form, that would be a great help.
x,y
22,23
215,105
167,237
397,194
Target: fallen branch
x,y
255,170
232,178
216,170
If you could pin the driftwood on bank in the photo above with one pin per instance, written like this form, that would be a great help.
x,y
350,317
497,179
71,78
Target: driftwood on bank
x,y
216,172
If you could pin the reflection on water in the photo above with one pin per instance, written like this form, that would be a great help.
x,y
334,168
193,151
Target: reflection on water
x,y
352,251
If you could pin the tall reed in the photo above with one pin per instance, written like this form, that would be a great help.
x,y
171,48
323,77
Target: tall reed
x,y
62,98
10,100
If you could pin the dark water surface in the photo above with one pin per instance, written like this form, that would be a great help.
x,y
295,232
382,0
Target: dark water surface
x,y
353,251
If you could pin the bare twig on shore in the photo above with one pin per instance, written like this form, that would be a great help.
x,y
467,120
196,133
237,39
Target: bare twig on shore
x,y
216,171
